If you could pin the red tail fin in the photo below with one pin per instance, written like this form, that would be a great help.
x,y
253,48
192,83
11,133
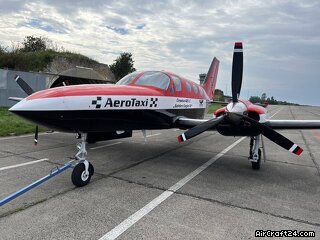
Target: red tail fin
x,y
209,83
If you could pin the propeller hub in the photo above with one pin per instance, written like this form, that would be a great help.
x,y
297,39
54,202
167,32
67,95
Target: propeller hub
x,y
239,108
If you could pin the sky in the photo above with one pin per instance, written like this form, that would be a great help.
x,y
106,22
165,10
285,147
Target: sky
x,y
281,39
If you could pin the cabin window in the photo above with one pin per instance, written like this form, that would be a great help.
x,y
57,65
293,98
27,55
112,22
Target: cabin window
x,y
154,79
127,79
177,83
201,91
195,89
188,86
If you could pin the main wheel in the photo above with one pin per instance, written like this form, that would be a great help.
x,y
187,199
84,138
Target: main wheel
x,y
79,177
256,165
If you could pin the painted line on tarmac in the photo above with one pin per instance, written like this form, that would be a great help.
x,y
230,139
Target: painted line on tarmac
x,y
23,164
28,135
127,223
276,112
131,220
103,146
153,135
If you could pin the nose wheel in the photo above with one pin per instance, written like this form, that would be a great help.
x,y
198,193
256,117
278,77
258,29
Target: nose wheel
x,y
83,170
79,175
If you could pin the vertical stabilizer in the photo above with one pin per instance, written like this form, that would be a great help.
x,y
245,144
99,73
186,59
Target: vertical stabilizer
x,y
209,83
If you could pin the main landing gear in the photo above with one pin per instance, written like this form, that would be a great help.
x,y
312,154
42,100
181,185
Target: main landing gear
x,y
255,152
83,169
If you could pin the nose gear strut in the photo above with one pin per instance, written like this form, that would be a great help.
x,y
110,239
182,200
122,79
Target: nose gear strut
x,y
255,152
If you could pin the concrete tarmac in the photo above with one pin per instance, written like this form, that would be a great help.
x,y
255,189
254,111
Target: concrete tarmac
x,y
227,200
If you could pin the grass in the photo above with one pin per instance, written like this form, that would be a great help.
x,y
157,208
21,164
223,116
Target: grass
x,y
11,124
213,107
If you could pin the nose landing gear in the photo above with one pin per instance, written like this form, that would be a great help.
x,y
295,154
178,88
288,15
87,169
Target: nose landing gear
x,y
83,170
255,152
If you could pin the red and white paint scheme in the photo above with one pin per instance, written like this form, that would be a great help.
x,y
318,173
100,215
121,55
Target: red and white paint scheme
x,y
153,100
141,100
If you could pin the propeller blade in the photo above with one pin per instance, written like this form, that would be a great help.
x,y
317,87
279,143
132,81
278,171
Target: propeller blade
x,y
25,87
237,70
36,136
192,132
275,136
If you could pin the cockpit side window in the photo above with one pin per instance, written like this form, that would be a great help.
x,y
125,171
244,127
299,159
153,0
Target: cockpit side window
x,y
127,79
154,79
177,83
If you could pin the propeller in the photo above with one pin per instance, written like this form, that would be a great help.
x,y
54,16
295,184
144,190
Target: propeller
x,y
28,90
25,87
235,111
192,132
273,135
237,70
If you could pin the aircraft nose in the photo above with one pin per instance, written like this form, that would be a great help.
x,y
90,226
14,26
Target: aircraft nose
x,y
18,106
22,109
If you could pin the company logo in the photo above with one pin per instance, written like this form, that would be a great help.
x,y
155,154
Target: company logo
x,y
130,103
201,101
97,102
154,102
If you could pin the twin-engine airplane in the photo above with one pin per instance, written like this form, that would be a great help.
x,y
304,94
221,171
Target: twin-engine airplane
x,y
153,100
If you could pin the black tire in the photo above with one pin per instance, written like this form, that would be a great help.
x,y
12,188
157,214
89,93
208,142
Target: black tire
x,y
77,177
256,165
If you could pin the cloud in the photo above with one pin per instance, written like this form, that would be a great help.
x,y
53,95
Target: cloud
x,y
120,30
47,25
140,26
281,38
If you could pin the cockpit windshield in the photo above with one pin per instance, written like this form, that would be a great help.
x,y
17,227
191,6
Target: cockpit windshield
x,y
154,79
127,79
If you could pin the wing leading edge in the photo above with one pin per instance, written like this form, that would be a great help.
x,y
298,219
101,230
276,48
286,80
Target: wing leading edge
x,y
293,124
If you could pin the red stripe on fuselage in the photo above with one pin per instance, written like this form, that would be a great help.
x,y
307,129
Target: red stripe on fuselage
x,y
105,90
95,90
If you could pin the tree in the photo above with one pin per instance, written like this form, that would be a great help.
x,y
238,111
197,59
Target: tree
x,y
123,65
34,44
2,49
263,97
218,95
255,99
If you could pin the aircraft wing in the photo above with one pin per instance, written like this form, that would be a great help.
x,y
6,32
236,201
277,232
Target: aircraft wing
x,y
186,123
294,124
